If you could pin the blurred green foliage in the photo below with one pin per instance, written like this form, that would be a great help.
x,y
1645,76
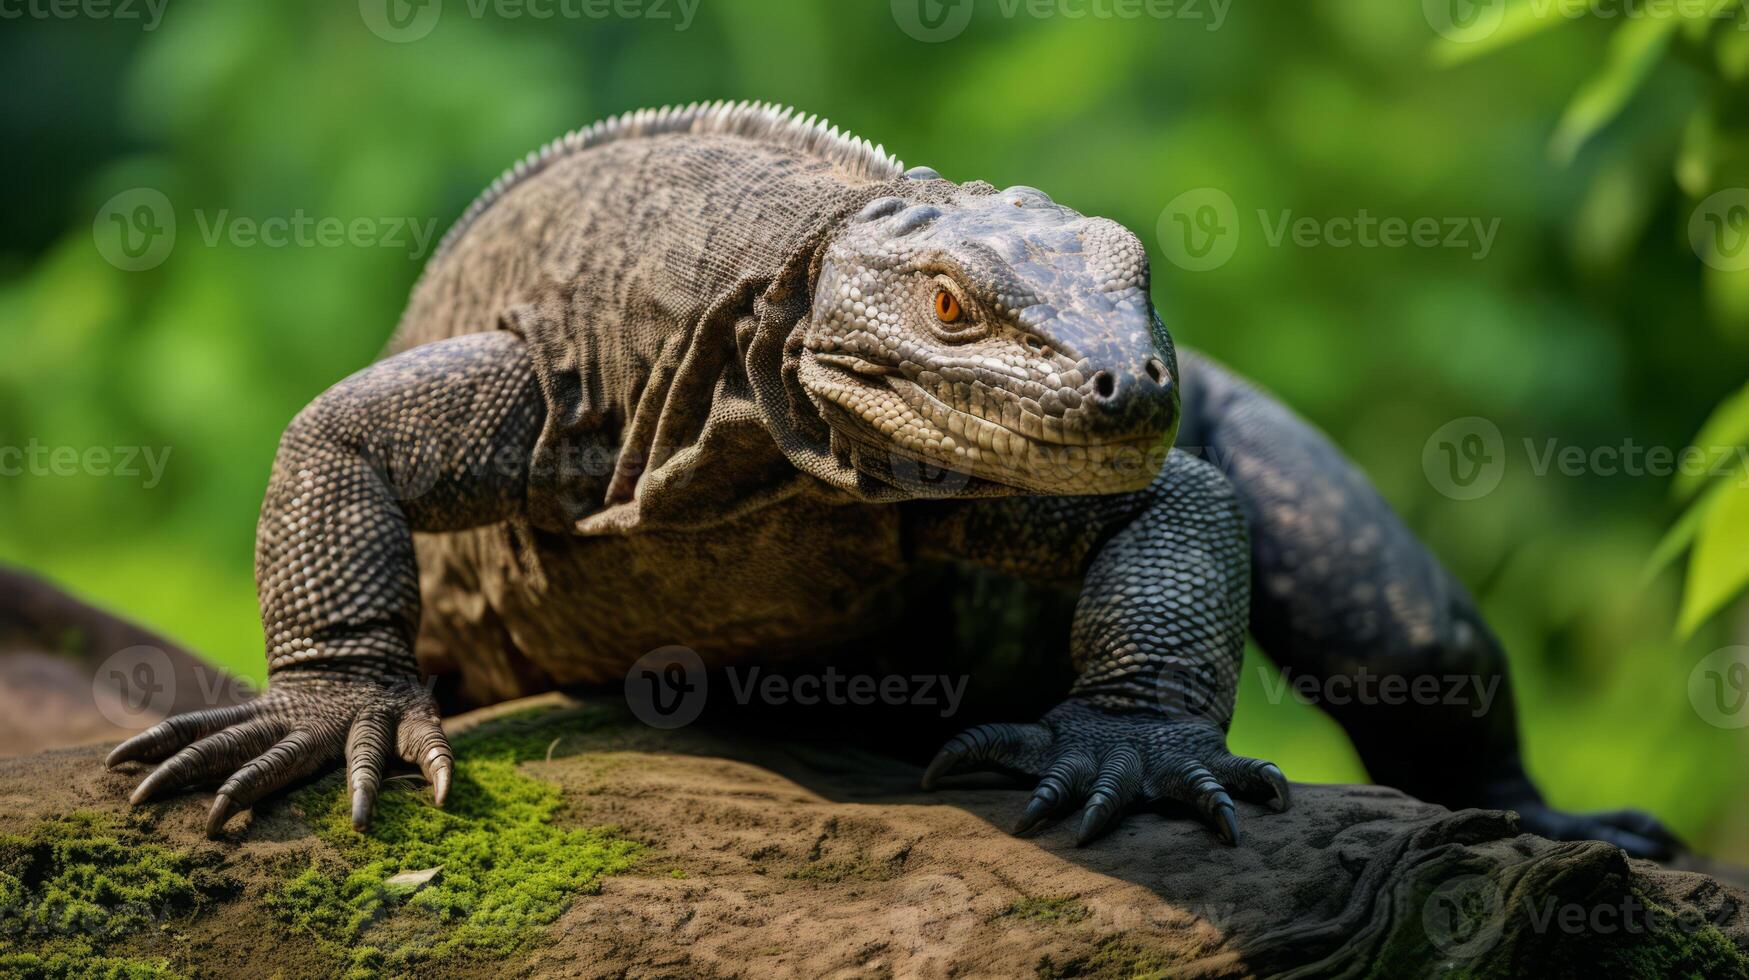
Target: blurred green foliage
x,y
1589,320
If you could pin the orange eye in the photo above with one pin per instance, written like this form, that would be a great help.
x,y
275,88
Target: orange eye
x,y
947,306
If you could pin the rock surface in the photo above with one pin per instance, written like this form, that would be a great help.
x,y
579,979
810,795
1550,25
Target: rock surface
x,y
764,858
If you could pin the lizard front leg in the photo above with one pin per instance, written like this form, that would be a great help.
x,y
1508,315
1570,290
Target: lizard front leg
x,y
435,439
1158,634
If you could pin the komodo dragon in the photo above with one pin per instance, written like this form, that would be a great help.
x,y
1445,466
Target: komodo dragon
x,y
721,377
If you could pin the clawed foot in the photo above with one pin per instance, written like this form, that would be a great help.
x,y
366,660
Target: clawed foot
x,y
299,728
1634,831
1106,763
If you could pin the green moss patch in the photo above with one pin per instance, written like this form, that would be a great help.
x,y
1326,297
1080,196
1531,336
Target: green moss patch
x,y
503,867
76,888
1112,959
1670,946
1063,909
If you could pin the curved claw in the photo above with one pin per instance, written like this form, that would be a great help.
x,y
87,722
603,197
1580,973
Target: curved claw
x,y
1062,785
1000,746
1252,779
1277,782
216,817
1199,787
207,759
168,736
1117,786
301,754
367,752
423,743
1226,823
441,773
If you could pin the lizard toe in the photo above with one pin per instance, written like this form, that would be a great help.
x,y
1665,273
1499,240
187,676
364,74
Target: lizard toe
x,y
1253,780
1064,785
166,737
1008,748
1192,783
421,741
1115,790
209,758
299,755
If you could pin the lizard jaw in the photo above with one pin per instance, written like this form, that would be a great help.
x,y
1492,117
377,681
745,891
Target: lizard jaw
x,y
877,408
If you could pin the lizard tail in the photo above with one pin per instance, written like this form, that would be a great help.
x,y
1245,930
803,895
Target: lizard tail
x,y
73,674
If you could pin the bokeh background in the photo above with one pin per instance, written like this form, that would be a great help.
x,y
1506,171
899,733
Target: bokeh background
x,y
1608,306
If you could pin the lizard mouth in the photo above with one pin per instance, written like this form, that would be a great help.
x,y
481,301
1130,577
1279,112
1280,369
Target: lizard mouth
x,y
886,413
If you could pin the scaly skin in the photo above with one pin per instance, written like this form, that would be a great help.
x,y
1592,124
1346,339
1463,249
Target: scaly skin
x,y
719,378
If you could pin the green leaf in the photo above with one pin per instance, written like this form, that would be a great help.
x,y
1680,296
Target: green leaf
x,y
1699,21
1681,534
1718,568
1698,155
1522,20
1726,290
1727,426
1634,49
1731,51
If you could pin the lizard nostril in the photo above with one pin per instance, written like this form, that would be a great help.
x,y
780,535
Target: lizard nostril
x,y
1104,384
1156,369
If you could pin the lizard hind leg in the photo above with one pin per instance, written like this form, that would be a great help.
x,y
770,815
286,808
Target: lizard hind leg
x,y
1344,592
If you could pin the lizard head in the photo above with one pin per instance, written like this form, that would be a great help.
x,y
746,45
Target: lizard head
x,y
998,335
